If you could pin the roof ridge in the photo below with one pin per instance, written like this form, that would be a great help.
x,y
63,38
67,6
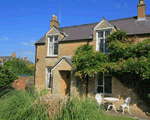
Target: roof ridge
x,y
78,25
98,22
5,56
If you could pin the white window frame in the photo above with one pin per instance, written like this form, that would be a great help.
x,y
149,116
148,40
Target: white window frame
x,y
1,63
48,47
96,85
104,38
48,75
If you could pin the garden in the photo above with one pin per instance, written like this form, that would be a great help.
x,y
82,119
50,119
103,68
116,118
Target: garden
x,y
26,104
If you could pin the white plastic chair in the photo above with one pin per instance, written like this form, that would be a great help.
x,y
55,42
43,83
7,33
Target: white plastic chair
x,y
98,98
126,105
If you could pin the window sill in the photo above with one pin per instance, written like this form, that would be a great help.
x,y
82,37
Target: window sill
x,y
52,56
49,89
106,94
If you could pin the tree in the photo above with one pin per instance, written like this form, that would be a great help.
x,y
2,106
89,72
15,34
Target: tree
x,y
6,77
20,66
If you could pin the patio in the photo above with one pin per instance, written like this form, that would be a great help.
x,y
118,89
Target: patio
x,y
126,114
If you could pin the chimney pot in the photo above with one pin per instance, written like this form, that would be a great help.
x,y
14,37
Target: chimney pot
x,y
141,10
25,59
14,55
54,22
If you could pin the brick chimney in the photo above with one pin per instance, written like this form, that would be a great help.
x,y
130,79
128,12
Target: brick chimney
x,y
54,22
25,59
141,10
14,55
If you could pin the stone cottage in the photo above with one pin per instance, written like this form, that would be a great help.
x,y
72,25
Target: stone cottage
x,y
6,58
53,67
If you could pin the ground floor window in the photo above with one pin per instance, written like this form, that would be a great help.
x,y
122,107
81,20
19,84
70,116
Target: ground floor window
x,y
48,78
104,84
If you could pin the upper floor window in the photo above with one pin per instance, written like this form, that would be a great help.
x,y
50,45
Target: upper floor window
x,y
53,45
102,44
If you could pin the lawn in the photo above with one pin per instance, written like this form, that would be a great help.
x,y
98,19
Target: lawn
x,y
17,105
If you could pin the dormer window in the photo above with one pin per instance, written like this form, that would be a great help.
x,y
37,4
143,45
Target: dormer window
x,y
52,45
102,44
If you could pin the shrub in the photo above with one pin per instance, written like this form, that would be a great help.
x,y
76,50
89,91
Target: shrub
x,y
20,66
6,77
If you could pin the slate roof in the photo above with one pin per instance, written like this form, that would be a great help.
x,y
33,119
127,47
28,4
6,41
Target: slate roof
x,y
6,58
85,31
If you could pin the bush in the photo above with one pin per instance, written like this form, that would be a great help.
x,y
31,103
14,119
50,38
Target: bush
x,y
20,66
6,77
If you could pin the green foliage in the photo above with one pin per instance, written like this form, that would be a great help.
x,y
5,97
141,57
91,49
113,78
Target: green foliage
x,y
87,61
116,36
21,105
6,77
20,67
44,91
83,109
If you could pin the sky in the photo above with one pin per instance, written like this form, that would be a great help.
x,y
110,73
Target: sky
x,y
23,22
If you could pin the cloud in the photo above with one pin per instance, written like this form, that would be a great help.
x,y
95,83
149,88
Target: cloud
x,y
4,38
28,53
29,44
117,5
125,5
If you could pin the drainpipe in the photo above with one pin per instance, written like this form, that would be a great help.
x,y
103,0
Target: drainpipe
x,y
35,63
87,79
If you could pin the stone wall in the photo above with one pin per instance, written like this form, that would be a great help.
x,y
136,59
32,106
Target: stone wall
x,y
23,82
40,68
68,48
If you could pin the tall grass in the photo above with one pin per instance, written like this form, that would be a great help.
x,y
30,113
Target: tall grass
x,y
80,109
20,105
24,105
84,109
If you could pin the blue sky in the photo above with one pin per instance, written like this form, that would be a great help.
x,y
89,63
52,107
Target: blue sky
x,y
22,22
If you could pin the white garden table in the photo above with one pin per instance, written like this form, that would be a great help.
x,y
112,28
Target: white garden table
x,y
113,101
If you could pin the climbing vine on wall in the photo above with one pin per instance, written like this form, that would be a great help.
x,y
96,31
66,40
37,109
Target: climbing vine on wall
x,y
127,57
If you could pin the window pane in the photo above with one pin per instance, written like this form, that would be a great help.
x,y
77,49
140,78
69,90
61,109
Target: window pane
x,y
108,84
100,34
50,82
100,79
51,39
101,44
56,38
107,50
100,89
51,48
107,33
55,48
